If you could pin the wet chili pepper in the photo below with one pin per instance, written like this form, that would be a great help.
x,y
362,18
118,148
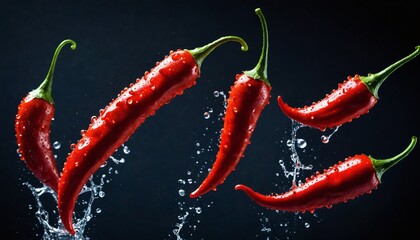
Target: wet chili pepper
x,y
247,98
33,127
353,98
118,121
344,181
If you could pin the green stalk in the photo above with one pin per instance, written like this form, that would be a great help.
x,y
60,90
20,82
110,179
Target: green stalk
x,y
260,70
374,81
44,90
201,53
381,165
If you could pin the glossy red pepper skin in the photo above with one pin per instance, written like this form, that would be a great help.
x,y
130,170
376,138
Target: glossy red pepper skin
x,y
353,98
33,127
357,175
247,99
119,120
349,101
248,96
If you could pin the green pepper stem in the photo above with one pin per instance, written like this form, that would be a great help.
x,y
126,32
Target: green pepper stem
x,y
381,165
201,53
44,90
260,70
374,81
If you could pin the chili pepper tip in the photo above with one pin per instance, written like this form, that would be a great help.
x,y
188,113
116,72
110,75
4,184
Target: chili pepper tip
x,y
240,187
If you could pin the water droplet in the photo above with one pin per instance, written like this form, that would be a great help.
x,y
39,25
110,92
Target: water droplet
x,y
216,93
126,150
206,115
289,143
307,225
56,145
325,139
181,181
198,210
181,192
301,143
93,119
98,210
82,132
101,194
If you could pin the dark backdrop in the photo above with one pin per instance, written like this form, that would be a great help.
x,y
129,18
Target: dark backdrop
x,y
313,47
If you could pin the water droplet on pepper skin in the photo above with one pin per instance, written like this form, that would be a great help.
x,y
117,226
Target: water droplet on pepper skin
x,y
93,119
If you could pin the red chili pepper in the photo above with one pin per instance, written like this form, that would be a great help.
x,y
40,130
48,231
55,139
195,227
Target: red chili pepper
x,y
344,181
32,127
353,98
248,97
118,121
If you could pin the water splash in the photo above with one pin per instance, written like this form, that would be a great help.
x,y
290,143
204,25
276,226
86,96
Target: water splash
x,y
53,227
297,165
177,230
278,224
192,209
49,219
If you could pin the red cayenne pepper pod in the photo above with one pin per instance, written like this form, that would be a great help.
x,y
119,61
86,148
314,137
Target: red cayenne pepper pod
x,y
353,98
344,181
247,98
32,127
119,120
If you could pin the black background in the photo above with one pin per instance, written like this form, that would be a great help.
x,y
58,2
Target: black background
x,y
313,46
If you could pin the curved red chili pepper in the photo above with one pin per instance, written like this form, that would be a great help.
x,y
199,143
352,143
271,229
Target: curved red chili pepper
x,y
353,98
118,121
32,127
248,97
344,181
